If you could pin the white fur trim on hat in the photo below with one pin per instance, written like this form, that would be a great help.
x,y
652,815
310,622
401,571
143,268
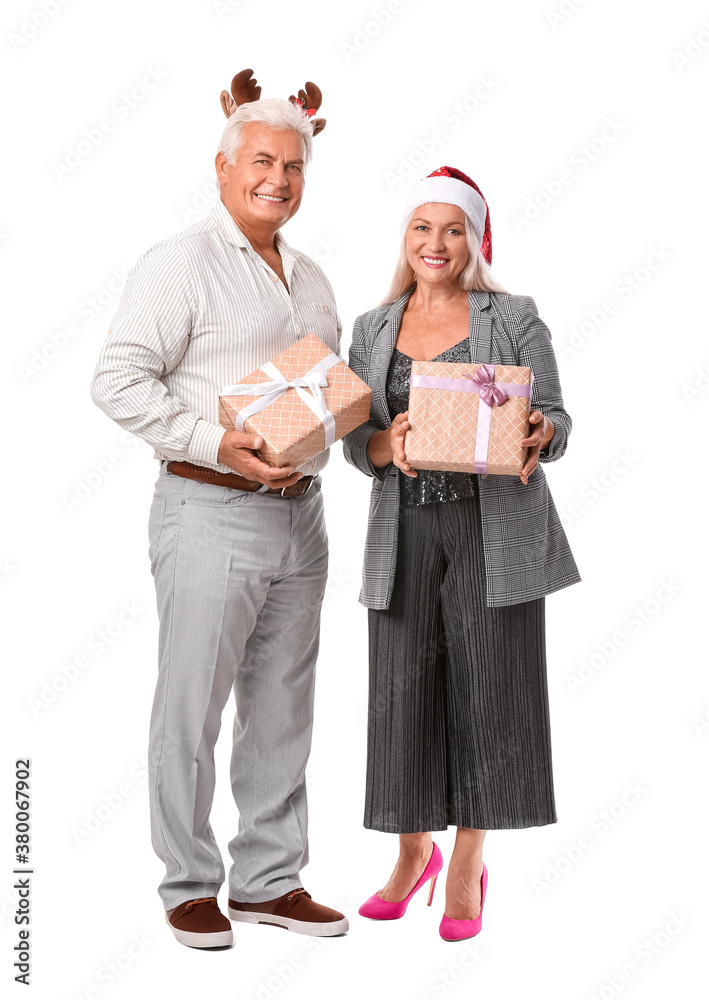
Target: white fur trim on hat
x,y
449,191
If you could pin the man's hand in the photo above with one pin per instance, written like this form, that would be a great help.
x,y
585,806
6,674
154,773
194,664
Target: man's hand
x,y
238,451
540,434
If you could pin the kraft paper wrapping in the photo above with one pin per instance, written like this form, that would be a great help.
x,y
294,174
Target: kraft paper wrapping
x,y
292,433
444,422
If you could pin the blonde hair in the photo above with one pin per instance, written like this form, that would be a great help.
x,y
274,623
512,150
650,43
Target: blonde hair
x,y
475,275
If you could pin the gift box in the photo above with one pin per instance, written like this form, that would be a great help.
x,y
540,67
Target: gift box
x,y
300,402
468,417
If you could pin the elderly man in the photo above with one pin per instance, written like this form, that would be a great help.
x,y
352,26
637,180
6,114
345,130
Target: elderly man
x,y
238,549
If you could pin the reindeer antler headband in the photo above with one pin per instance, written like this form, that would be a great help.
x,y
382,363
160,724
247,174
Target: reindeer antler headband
x,y
244,90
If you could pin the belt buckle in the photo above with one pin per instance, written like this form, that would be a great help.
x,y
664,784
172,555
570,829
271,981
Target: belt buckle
x,y
307,487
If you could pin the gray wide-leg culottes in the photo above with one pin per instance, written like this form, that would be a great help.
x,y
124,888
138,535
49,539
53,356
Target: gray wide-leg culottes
x,y
458,721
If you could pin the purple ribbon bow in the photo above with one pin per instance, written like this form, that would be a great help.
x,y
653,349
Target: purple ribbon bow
x,y
490,391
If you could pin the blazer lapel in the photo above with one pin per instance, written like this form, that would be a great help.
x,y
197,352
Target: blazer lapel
x,y
479,332
480,327
382,350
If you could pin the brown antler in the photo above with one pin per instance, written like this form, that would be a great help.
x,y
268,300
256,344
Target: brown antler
x,y
311,96
243,91
243,87
311,99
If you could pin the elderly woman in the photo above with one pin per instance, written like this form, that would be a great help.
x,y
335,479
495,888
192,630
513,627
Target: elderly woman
x,y
456,568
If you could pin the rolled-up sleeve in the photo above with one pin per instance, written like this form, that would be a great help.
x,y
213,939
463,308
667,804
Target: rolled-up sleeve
x,y
148,337
536,352
355,445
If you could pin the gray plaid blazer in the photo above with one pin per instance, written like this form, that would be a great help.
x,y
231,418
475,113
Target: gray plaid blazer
x,y
527,554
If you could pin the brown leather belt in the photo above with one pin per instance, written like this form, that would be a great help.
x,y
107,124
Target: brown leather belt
x,y
236,482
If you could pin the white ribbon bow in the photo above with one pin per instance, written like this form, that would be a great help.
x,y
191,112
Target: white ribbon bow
x,y
268,392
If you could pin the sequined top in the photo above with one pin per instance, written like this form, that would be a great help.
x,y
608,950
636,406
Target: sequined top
x,y
428,486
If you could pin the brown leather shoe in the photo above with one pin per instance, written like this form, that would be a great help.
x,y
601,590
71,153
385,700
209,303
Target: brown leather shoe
x,y
295,911
199,923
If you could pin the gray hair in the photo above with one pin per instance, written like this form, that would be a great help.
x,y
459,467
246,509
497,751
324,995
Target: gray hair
x,y
278,114
475,275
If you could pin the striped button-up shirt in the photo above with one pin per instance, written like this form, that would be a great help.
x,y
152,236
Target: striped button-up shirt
x,y
202,310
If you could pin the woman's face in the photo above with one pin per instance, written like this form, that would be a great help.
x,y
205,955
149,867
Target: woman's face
x,y
436,245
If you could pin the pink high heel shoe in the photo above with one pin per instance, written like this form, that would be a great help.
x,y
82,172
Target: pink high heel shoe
x,y
382,909
453,929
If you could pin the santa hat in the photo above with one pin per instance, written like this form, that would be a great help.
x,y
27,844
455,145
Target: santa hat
x,y
453,187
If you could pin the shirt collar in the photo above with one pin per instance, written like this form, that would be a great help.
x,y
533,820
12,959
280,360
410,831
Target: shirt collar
x,y
231,232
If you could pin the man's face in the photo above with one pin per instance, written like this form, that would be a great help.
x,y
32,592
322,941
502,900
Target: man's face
x,y
266,182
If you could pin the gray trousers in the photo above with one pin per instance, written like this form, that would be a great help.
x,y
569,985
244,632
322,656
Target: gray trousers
x,y
240,579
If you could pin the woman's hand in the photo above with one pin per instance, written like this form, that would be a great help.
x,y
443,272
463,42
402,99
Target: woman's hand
x,y
541,433
388,446
397,432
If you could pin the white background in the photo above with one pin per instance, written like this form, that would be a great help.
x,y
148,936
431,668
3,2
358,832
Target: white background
x,y
613,94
